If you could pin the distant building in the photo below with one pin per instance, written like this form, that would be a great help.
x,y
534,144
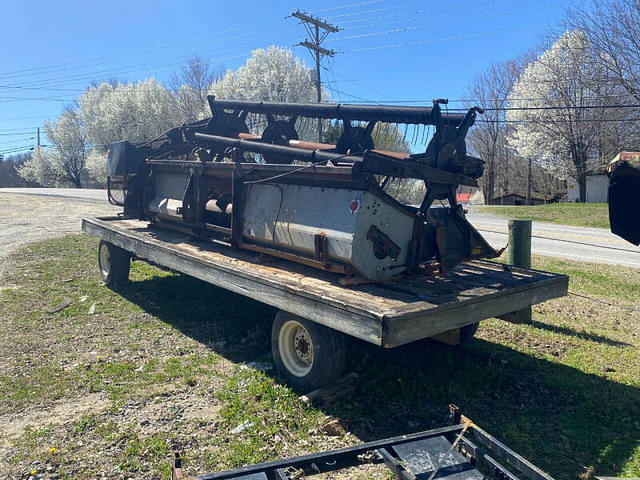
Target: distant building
x,y
517,199
464,198
597,188
466,195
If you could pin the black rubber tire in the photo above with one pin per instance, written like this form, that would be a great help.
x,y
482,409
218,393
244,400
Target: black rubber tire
x,y
467,332
329,353
114,264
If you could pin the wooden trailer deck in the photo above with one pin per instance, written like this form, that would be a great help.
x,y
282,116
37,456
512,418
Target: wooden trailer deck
x,y
388,314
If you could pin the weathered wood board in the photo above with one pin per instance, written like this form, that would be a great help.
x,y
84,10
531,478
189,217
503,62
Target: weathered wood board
x,y
386,314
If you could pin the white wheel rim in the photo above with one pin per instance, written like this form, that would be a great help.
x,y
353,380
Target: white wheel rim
x,y
296,348
105,261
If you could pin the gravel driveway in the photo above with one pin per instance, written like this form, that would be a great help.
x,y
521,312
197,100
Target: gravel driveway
x,y
27,218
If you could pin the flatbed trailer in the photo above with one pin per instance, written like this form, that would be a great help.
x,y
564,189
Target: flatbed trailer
x,y
314,304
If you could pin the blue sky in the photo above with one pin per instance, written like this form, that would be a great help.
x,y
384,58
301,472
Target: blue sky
x,y
390,50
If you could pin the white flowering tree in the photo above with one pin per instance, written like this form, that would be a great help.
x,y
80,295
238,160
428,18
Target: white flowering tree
x,y
65,161
134,112
69,142
38,169
558,108
272,75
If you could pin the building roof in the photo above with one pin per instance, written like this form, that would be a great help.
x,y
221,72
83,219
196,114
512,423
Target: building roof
x,y
463,197
534,196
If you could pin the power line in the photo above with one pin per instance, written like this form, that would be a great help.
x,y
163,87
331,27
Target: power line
x,y
373,10
432,24
30,99
154,49
132,67
444,39
16,134
555,107
28,118
468,100
414,17
18,140
551,122
18,149
351,5
66,80
414,10
40,88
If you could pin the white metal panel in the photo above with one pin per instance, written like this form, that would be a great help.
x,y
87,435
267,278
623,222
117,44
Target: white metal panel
x,y
166,206
289,216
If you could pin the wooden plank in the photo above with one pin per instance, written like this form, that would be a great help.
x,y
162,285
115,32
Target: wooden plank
x,y
416,325
359,326
386,314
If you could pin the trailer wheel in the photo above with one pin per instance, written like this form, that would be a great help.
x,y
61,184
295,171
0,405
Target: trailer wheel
x,y
114,263
307,354
468,331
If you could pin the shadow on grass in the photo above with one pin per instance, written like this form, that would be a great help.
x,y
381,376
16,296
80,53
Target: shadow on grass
x,y
560,418
570,332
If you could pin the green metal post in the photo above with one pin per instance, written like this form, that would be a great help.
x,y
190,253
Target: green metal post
x,y
519,255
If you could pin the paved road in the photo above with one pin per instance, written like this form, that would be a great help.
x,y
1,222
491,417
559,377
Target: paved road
x,y
563,241
89,194
573,243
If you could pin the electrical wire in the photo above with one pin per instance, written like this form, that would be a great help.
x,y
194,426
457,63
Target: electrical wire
x,y
554,107
372,10
291,172
75,79
161,47
18,140
132,67
18,149
432,24
350,5
16,134
28,118
444,39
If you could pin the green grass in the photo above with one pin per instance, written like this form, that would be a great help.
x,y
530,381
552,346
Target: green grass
x,y
578,214
563,391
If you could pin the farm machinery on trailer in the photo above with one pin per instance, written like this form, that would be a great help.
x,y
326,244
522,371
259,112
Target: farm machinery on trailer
x,y
321,205
312,229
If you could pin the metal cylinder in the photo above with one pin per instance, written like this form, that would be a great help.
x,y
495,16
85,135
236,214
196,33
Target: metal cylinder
x,y
519,252
289,152
519,255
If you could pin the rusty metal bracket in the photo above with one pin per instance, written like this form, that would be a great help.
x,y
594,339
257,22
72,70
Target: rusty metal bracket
x,y
321,250
383,246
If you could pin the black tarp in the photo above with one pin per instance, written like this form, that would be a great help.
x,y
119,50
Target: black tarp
x,y
123,159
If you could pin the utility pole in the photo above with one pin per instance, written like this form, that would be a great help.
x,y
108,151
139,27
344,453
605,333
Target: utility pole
x,y
38,136
314,25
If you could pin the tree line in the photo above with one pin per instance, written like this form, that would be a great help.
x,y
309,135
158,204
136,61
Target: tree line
x,y
562,110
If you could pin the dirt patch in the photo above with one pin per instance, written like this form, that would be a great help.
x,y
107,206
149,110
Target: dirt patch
x,y
14,426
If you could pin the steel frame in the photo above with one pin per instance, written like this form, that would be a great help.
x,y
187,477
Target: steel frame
x,y
482,451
